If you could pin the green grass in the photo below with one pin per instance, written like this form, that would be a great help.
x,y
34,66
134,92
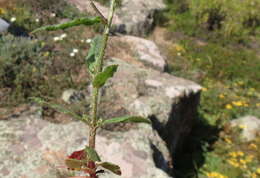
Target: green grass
x,y
228,69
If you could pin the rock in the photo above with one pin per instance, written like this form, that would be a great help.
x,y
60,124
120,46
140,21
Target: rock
x,y
35,148
32,147
250,126
138,16
146,51
3,25
169,101
72,96
135,17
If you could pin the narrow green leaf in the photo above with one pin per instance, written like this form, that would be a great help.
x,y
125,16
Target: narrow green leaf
x,y
111,167
92,154
56,107
93,53
126,119
74,163
102,77
73,23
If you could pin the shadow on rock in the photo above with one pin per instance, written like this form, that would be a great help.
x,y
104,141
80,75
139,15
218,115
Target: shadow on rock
x,y
191,158
187,136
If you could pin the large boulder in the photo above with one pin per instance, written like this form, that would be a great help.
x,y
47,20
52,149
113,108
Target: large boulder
x,y
135,17
3,25
171,102
35,148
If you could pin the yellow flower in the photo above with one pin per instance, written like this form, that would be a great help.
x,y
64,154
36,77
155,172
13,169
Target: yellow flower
x,y
2,11
240,153
242,126
242,166
257,104
233,154
242,161
237,103
253,175
179,48
249,158
228,106
227,140
215,175
258,171
221,96
233,162
253,146
204,89
46,54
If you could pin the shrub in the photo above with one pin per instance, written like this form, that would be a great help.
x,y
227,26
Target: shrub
x,y
23,15
232,17
17,67
60,8
31,14
33,68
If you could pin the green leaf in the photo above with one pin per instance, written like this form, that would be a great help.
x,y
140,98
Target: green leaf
x,y
126,119
101,78
93,53
111,167
92,154
74,163
56,107
73,23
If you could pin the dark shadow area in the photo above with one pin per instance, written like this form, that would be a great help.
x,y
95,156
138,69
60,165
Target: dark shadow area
x,y
187,135
18,31
159,160
188,160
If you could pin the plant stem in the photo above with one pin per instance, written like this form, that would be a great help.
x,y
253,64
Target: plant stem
x,y
99,67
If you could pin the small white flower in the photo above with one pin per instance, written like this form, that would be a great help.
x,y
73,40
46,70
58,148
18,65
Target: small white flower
x,y
179,54
88,40
72,54
64,35
56,38
37,20
53,15
75,50
13,19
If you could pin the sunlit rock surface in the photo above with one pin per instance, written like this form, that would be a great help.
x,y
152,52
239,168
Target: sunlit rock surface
x,y
250,126
134,17
3,25
146,51
35,148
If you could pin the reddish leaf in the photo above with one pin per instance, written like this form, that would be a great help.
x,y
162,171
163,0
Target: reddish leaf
x,y
79,155
91,164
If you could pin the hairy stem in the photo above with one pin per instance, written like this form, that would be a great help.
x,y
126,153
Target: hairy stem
x,y
99,67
